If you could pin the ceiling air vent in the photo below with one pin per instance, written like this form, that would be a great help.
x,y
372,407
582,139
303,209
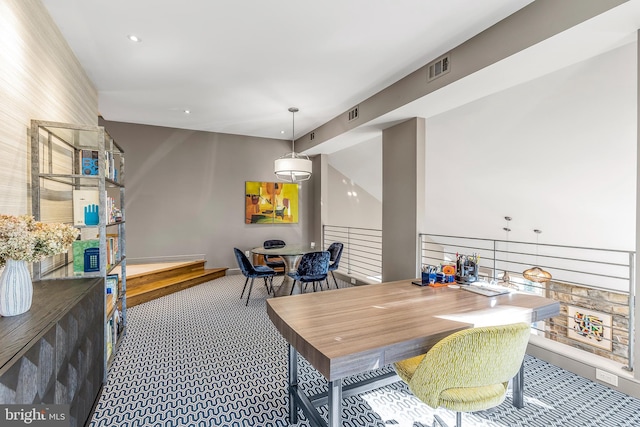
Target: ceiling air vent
x,y
353,113
439,67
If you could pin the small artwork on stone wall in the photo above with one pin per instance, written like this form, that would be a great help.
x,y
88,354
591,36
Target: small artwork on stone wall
x,y
590,327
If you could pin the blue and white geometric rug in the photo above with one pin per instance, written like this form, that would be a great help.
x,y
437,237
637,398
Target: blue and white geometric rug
x,y
199,357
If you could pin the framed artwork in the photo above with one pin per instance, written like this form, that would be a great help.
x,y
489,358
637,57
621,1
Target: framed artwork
x,y
270,203
588,326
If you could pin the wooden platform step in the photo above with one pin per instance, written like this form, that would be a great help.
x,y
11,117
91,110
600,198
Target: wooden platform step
x,y
154,284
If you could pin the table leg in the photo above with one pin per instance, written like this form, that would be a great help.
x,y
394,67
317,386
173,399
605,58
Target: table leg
x,y
293,382
290,262
335,403
518,388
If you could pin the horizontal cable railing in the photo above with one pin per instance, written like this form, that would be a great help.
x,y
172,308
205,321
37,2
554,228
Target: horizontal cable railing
x,y
595,287
362,252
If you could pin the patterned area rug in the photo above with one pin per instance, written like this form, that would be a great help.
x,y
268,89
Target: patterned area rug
x,y
199,357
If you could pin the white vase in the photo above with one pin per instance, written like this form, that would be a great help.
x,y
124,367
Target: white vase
x,y
16,288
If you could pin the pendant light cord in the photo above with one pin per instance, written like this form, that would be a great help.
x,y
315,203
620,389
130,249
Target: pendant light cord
x,y
293,111
293,132
537,237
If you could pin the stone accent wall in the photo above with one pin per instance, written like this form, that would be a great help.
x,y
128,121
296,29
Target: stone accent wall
x,y
612,303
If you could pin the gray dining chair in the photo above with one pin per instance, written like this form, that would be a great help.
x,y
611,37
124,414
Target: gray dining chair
x,y
274,261
335,249
251,272
313,268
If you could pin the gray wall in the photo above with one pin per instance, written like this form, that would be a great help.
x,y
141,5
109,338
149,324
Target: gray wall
x,y
403,192
185,193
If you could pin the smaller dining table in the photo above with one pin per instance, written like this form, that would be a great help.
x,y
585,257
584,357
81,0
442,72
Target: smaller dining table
x,y
291,255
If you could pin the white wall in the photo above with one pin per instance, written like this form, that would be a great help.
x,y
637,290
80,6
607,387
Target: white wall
x,y
350,204
557,153
361,163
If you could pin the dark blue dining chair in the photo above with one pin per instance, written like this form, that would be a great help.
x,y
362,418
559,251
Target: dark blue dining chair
x,y
313,268
251,272
274,261
335,249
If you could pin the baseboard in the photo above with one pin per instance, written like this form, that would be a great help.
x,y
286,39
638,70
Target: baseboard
x,y
583,363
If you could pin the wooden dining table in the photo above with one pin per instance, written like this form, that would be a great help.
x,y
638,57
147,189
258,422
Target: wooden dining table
x,y
348,331
291,255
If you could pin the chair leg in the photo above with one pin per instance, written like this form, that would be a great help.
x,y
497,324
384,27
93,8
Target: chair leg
x,y
439,421
273,291
249,293
334,280
266,285
244,287
292,286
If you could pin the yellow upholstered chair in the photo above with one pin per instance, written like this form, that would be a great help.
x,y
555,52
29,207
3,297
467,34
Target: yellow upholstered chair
x,y
468,370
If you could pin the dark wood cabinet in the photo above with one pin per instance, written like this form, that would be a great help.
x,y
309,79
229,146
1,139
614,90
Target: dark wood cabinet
x,y
54,353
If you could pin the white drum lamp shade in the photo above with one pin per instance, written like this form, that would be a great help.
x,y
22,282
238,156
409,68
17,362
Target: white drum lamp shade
x,y
293,167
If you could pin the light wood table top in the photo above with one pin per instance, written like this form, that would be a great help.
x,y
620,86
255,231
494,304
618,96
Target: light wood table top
x,y
347,331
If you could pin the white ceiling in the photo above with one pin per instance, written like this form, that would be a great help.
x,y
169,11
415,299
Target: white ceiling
x,y
238,65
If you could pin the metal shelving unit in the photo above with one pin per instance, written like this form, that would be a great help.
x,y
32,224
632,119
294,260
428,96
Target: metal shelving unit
x,y
65,160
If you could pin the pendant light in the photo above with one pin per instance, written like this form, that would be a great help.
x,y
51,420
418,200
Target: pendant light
x,y
537,274
505,277
293,167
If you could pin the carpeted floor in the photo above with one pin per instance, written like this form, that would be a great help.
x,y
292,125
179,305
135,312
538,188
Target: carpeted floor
x,y
199,357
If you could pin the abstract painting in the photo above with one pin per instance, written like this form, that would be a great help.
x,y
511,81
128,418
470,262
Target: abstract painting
x,y
270,203
589,326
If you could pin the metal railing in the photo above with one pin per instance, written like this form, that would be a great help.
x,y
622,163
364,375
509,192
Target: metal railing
x,y
362,252
595,287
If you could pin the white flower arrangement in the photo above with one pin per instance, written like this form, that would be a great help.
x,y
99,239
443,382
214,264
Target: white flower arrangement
x,y
22,238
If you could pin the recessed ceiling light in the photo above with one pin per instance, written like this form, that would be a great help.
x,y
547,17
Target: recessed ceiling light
x,y
281,131
134,38
187,111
